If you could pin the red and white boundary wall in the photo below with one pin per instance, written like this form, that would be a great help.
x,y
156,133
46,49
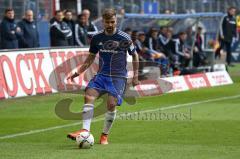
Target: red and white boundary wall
x,y
32,72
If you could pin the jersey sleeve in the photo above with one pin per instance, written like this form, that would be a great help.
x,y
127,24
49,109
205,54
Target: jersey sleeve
x,y
131,49
93,46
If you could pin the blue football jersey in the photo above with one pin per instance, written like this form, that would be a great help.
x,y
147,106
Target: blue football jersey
x,y
112,51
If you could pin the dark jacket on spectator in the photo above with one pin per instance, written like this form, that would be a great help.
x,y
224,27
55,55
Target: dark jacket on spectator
x,y
30,36
9,35
152,43
179,47
179,53
198,42
52,20
228,28
166,45
81,35
71,25
91,29
142,50
60,33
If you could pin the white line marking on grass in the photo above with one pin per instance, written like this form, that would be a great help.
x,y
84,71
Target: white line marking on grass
x,y
100,119
192,103
39,130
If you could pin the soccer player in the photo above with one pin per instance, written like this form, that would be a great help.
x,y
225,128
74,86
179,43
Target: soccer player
x,y
112,45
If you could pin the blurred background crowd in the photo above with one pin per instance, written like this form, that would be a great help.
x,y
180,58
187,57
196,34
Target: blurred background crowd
x,y
41,23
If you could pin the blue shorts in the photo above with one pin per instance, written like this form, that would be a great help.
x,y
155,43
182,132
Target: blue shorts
x,y
114,86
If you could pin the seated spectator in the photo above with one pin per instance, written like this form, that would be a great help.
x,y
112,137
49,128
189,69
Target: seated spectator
x,y
166,45
10,32
81,33
128,31
152,41
150,55
165,41
138,39
180,53
60,33
190,37
68,18
199,57
134,37
163,32
142,50
30,36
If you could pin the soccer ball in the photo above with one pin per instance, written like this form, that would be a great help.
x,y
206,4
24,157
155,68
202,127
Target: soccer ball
x,y
85,140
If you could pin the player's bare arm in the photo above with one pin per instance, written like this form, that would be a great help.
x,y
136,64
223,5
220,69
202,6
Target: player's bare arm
x,y
87,63
135,63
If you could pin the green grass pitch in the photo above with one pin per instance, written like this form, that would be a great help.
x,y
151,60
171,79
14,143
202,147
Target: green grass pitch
x,y
208,129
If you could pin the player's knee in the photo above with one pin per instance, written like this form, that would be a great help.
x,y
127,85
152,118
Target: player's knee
x,y
90,95
111,106
89,98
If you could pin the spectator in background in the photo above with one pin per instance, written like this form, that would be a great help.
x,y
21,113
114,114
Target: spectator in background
x,y
10,32
139,42
150,55
141,49
60,33
167,11
190,37
122,12
52,20
163,34
68,18
128,31
87,13
180,52
81,32
30,36
228,30
134,37
91,28
166,42
168,49
152,41
199,57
